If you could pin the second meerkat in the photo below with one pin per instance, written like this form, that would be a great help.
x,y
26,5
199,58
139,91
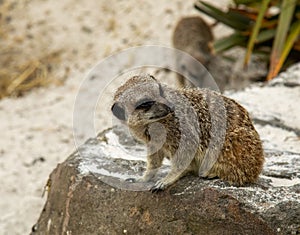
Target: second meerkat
x,y
200,131
194,36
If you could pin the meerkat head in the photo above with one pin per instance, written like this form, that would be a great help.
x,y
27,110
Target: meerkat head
x,y
141,101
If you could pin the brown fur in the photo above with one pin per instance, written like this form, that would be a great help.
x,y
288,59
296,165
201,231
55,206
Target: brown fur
x,y
194,117
193,36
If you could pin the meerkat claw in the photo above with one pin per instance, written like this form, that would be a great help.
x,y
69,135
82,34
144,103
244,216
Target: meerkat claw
x,y
159,186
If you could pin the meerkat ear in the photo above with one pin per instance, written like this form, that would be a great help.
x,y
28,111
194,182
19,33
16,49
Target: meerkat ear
x,y
161,92
118,112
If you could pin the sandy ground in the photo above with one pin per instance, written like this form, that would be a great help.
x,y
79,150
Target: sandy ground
x,y
37,129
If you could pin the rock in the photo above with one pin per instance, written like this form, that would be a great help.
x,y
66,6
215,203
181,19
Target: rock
x,y
90,192
230,74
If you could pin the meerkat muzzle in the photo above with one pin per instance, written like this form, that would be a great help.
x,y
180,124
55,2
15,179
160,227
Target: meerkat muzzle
x,y
118,112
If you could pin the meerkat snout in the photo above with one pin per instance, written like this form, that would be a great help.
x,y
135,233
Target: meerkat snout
x,y
118,111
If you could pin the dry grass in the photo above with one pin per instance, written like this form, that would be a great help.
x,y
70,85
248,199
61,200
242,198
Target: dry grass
x,y
20,71
18,78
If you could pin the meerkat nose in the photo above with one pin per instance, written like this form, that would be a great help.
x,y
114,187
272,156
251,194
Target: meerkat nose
x,y
118,112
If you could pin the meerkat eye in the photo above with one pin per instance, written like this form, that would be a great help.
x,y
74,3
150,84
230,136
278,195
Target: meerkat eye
x,y
146,105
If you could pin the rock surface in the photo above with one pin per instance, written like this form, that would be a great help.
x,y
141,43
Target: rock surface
x,y
89,193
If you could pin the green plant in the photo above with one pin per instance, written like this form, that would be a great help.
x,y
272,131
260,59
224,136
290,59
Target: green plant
x,y
271,27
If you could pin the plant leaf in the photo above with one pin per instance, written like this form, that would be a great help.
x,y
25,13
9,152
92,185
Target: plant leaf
x,y
287,10
255,31
245,1
265,35
229,42
221,16
242,16
294,33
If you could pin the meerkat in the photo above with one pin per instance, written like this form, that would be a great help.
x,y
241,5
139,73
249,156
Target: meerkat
x,y
195,37
200,131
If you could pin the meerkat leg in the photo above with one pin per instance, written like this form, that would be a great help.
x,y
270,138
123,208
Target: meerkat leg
x,y
182,162
154,162
170,179
175,174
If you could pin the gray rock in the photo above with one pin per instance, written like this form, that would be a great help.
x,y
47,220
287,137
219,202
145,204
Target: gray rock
x,y
90,192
